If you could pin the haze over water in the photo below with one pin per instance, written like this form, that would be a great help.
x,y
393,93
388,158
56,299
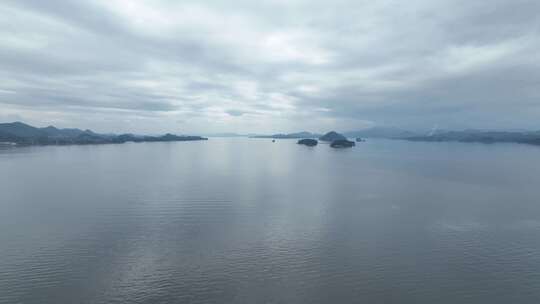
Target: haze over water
x,y
250,221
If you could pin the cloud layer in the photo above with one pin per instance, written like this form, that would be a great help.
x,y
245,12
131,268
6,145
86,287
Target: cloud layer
x,y
264,66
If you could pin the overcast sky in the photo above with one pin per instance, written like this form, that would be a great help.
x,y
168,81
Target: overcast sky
x,y
270,66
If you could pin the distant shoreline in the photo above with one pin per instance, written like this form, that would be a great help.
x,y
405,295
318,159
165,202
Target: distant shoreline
x,y
482,138
21,134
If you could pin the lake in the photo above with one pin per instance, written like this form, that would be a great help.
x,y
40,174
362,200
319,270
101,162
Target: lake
x,y
236,220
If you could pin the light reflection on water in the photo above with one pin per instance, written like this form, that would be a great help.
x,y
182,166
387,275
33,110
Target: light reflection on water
x,y
250,221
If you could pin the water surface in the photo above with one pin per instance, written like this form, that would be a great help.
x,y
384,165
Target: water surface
x,y
251,221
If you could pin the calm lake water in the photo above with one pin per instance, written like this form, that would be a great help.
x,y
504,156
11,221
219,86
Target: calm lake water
x,y
251,221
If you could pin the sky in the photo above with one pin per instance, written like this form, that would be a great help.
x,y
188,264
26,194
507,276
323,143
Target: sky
x,y
270,66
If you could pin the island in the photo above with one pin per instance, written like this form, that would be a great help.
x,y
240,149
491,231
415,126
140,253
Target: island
x,y
308,142
342,143
332,136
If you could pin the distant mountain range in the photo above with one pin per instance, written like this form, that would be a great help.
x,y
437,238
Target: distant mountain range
x,y
23,134
225,134
289,135
381,132
479,136
376,132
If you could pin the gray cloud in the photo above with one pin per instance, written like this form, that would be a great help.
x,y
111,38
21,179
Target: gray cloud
x,y
216,66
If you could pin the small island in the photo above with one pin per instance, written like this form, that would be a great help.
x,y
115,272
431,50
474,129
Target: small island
x,y
342,143
332,136
308,142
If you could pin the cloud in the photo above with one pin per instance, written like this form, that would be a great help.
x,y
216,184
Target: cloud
x,y
220,66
